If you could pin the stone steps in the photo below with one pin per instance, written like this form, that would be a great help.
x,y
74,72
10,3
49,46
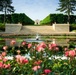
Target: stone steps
x,y
37,29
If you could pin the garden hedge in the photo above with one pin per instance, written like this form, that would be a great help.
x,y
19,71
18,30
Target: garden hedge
x,y
58,18
17,18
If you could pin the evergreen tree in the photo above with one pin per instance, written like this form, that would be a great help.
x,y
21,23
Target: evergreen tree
x,y
67,6
5,6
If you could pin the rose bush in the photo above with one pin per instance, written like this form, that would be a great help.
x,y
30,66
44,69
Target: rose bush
x,y
37,59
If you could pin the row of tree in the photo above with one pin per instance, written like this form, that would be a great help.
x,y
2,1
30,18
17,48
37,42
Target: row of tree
x,y
17,18
58,18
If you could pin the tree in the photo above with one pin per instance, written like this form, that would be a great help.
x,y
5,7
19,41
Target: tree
x,y
5,6
68,6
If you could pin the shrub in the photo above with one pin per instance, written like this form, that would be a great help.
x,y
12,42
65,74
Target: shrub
x,y
2,27
42,60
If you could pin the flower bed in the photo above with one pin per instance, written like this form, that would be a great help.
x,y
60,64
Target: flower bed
x,y
39,62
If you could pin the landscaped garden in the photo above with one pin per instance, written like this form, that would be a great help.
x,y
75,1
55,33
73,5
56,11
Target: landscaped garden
x,y
37,59
19,57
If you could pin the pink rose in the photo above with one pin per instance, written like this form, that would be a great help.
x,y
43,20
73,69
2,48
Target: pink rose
x,y
38,62
50,47
29,45
23,43
39,48
4,59
5,47
53,45
56,49
65,49
4,54
72,53
25,61
35,68
67,53
6,65
13,42
43,45
47,71
1,65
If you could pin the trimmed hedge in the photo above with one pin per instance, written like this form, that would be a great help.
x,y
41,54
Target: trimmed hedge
x,y
17,18
58,18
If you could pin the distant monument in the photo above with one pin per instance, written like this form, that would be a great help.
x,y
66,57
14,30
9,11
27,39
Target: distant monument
x,y
37,22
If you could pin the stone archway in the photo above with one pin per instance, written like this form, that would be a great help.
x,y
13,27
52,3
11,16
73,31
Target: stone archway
x,y
37,22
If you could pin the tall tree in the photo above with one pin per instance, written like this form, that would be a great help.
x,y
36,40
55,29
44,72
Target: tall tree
x,y
67,6
5,6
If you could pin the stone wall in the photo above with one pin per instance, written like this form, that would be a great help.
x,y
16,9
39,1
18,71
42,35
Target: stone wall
x,y
55,28
61,27
12,28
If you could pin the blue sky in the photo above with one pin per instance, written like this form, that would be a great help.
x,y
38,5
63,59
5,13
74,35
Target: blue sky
x,y
35,9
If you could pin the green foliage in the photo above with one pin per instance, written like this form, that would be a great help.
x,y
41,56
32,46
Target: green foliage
x,y
2,27
72,27
17,18
46,20
67,6
1,18
39,59
5,5
58,18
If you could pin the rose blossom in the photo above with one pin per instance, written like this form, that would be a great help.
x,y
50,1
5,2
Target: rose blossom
x,y
3,54
5,47
66,49
25,61
21,59
38,62
6,65
13,42
1,65
53,45
50,47
43,45
67,53
5,59
56,49
29,45
35,68
72,53
23,43
39,48
47,71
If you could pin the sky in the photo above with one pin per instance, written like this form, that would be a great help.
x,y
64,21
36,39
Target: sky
x,y
36,9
